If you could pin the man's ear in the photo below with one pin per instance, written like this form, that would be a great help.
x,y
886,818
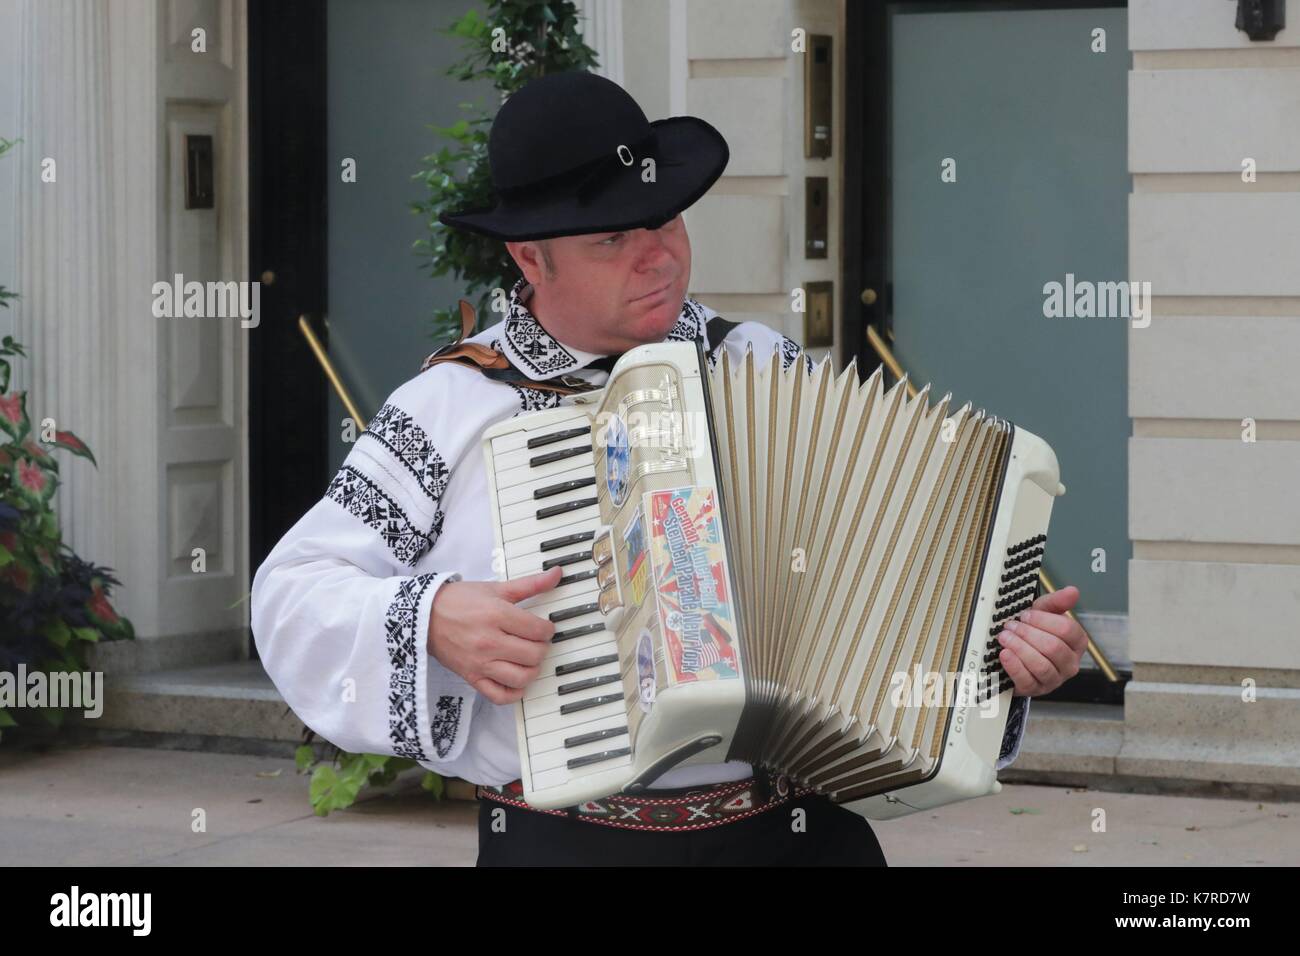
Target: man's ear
x,y
528,257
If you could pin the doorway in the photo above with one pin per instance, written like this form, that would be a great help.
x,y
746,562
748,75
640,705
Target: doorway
x,y
992,149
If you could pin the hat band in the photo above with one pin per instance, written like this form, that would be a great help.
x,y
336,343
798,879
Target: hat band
x,y
586,180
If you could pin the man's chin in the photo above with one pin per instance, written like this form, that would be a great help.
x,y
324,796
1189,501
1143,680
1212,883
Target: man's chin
x,y
654,325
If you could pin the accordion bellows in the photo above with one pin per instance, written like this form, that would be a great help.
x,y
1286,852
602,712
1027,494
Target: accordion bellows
x,y
786,566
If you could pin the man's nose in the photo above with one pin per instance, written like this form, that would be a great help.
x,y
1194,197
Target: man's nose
x,y
655,250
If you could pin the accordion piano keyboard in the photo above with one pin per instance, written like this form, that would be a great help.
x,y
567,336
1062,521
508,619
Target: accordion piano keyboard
x,y
574,713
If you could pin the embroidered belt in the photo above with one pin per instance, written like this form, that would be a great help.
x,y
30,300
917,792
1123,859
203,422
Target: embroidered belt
x,y
694,808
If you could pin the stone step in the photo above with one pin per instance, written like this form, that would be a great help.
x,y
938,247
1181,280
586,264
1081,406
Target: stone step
x,y
234,708
223,708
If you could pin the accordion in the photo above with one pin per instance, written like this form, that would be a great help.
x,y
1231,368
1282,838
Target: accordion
x,y
784,566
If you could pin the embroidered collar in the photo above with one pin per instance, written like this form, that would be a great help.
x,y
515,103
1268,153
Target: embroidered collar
x,y
540,356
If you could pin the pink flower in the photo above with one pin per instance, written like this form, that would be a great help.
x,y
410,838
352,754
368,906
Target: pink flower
x,y
99,606
11,407
31,477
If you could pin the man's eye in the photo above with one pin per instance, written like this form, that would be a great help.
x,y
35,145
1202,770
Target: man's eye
x,y
617,236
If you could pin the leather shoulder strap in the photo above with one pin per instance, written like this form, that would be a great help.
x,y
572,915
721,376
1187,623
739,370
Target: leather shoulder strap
x,y
494,364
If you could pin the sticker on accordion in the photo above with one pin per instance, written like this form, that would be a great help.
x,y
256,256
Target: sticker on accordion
x,y
617,460
638,567
696,613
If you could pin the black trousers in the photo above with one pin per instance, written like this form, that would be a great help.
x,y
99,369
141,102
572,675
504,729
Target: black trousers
x,y
823,835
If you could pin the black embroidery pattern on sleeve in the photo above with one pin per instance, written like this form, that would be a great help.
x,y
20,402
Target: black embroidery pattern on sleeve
x,y
790,351
407,442
400,629
362,498
446,721
534,399
1012,732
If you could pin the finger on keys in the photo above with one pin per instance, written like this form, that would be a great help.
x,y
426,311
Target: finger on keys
x,y
520,589
1058,601
525,624
1014,646
510,675
1026,684
1048,643
496,692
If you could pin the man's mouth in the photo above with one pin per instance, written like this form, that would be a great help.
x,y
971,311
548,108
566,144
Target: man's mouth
x,y
663,288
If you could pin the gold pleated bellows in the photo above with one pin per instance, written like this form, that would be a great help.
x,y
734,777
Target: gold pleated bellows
x,y
858,520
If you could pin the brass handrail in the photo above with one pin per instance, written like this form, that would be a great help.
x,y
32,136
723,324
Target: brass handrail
x,y
305,326
896,370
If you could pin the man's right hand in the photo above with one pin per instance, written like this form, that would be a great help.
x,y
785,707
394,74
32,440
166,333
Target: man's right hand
x,y
476,630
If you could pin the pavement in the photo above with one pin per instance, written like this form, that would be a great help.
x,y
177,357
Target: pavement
x,y
96,805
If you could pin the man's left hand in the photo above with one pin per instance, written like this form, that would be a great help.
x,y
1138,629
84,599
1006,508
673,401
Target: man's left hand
x,y
1042,648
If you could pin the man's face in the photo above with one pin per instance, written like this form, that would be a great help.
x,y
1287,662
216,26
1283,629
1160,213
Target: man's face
x,y
609,291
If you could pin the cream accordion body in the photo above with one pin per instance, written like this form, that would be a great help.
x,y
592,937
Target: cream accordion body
x,y
798,570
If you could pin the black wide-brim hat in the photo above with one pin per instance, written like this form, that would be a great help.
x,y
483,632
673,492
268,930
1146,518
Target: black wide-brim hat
x,y
567,153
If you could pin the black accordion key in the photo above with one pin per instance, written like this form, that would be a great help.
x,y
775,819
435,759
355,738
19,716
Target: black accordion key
x,y
575,762
540,440
590,662
553,543
589,703
550,511
577,632
561,487
553,456
567,559
588,683
595,735
571,612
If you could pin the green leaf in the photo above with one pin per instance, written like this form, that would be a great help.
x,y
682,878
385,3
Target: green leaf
x,y
6,720
435,784
304,757
57,633
331,790
323,782
86,633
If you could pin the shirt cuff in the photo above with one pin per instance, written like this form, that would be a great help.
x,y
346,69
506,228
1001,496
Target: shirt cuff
x,y
449,699
1014,734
